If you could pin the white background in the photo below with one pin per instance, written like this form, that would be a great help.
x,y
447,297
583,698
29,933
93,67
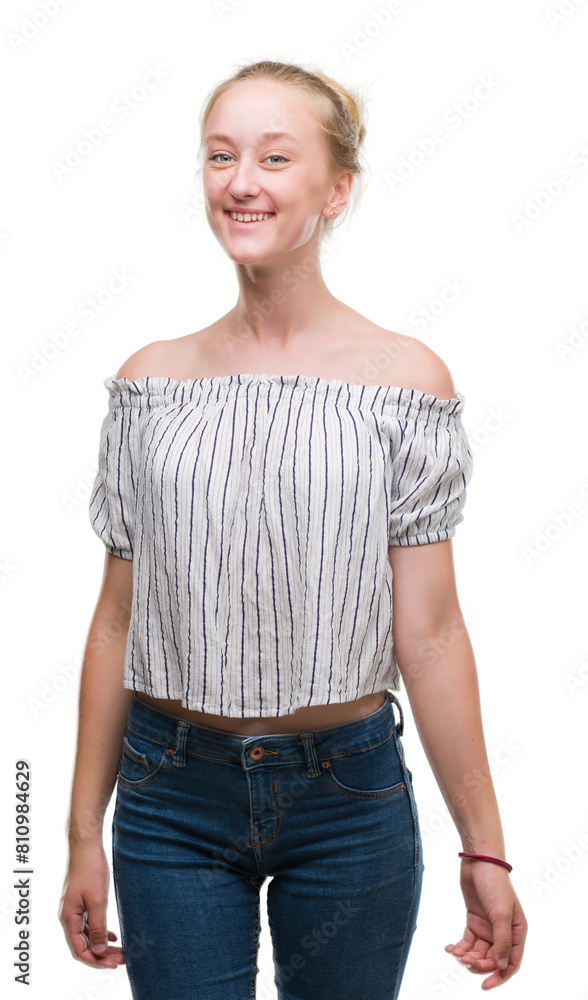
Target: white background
x,y
482,210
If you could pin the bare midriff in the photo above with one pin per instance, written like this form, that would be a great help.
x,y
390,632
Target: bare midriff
x,y
305,719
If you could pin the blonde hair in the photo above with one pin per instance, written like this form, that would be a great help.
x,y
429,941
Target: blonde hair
x,y
339,113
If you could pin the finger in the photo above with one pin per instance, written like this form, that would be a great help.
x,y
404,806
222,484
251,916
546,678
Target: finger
x,y
459,951
502,937
483,966
478,957
501,976
79,944
96,925
108,960
111,936
466,942
498,977
110,957
478,964
73,922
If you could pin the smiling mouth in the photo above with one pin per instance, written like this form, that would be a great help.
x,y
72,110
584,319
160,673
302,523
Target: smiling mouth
x,y
249,218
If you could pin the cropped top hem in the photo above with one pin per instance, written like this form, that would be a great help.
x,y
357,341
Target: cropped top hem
x,y
268,711
258,511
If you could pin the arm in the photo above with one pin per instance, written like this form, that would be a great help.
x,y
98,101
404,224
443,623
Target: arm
x,y
103,709
436,662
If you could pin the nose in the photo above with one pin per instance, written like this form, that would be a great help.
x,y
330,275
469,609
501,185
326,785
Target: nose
x,y
243,183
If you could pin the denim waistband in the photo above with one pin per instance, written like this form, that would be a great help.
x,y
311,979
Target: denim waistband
x,y
277,748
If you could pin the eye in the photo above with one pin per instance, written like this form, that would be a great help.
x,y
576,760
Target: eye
x,y
272,156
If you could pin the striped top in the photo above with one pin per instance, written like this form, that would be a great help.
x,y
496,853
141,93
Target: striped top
x,y
258,511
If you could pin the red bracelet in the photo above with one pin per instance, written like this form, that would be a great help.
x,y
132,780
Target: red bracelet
x,y
484,857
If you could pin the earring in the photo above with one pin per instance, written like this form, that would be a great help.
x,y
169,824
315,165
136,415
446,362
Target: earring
x,y
334,211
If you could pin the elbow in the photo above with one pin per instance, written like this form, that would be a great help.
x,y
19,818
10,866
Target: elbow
x,y
437,625
434,645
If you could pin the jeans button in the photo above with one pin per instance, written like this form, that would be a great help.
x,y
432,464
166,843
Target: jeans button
x,y
256,753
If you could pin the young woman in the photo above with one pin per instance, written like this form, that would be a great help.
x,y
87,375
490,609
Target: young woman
x,y
266,502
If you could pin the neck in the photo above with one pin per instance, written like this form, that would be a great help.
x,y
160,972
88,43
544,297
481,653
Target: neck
x,y
281,306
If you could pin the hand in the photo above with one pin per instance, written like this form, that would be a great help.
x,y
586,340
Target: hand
x,y
82,910
496,928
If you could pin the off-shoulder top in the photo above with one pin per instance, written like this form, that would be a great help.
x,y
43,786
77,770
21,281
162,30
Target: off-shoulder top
x,y
258,510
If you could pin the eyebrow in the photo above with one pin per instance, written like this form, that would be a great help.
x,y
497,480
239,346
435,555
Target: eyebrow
x,y
264,136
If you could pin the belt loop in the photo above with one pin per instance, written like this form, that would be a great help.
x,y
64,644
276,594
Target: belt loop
x,y
399,725
179,758
310,754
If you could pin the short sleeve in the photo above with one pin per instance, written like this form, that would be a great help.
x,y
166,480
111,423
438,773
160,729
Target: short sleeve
x,y
431,467
112,500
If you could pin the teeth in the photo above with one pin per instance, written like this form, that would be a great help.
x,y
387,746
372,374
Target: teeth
x,y
247,217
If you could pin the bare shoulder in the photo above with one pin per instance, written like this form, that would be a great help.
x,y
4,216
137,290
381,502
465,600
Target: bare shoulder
x,y
413,365
394,359
156,358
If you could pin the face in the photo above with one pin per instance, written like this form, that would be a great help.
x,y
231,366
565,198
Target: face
x,y
286,177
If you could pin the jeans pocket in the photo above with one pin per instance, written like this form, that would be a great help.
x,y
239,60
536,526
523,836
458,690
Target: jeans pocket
x,y
143,759
368,773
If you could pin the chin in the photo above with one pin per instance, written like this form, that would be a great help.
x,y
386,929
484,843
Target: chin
x,y
244,255
248,259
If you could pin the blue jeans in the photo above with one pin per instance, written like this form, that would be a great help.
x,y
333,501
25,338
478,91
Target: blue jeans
x,y
203,817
